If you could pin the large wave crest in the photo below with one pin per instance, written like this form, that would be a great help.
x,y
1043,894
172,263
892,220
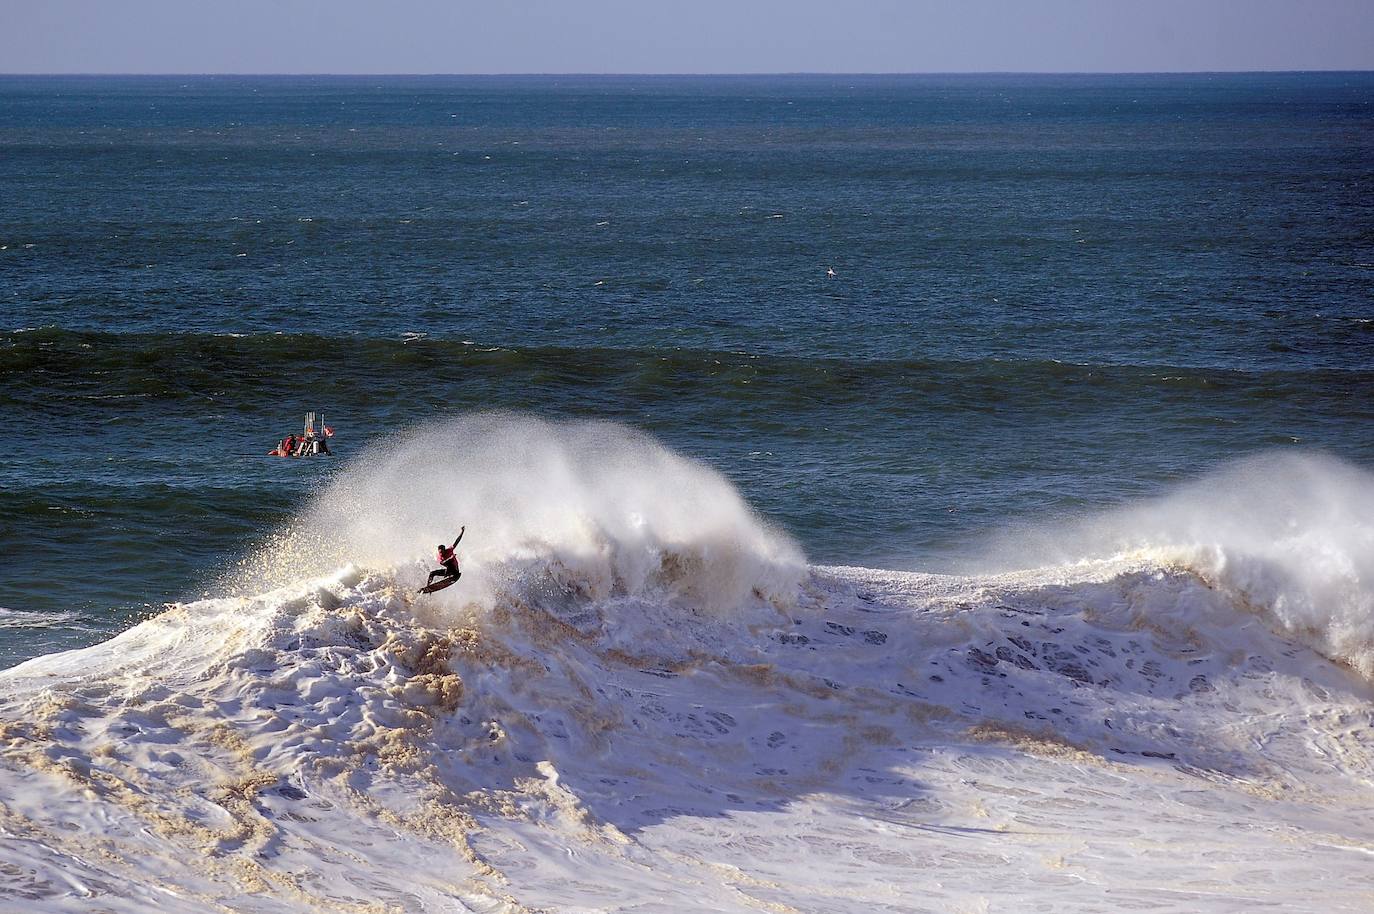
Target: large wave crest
x,y
1290,536
591,509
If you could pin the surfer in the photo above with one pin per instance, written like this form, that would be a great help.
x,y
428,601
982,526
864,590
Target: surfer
x,y
449,572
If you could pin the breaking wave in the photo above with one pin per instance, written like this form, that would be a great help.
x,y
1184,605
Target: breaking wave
x,y
1288,536
597,690
583,509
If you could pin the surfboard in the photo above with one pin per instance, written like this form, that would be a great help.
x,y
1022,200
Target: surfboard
x,y
438,585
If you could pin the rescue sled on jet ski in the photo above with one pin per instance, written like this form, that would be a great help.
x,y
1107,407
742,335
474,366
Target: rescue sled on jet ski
x,y
312,442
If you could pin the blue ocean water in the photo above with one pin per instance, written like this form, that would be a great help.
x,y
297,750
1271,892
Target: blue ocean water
x,y
1050,294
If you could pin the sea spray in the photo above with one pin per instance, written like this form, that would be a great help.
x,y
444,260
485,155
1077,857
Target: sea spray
x,y
590,509
1287,535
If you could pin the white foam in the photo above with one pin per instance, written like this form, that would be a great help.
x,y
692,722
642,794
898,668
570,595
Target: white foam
x,y
616,716
15,618
1290,535
319,748
593,507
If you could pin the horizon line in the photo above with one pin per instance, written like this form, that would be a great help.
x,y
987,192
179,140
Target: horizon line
x,y
737,74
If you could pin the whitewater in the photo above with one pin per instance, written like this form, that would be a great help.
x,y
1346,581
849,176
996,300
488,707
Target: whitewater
x,y
641,697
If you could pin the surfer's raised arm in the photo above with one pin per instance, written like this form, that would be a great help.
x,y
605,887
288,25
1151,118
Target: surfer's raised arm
x,y
461,531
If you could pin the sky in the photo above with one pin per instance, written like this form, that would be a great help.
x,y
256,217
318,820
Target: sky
x,y
682,36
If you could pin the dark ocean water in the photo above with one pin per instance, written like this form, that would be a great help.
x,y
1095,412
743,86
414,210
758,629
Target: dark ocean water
x,y
1052,294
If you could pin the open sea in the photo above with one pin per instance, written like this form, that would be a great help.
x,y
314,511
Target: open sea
x,y
905,494
1051,293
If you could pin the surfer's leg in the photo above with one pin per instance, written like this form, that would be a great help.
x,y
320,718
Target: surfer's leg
x,y
437,573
